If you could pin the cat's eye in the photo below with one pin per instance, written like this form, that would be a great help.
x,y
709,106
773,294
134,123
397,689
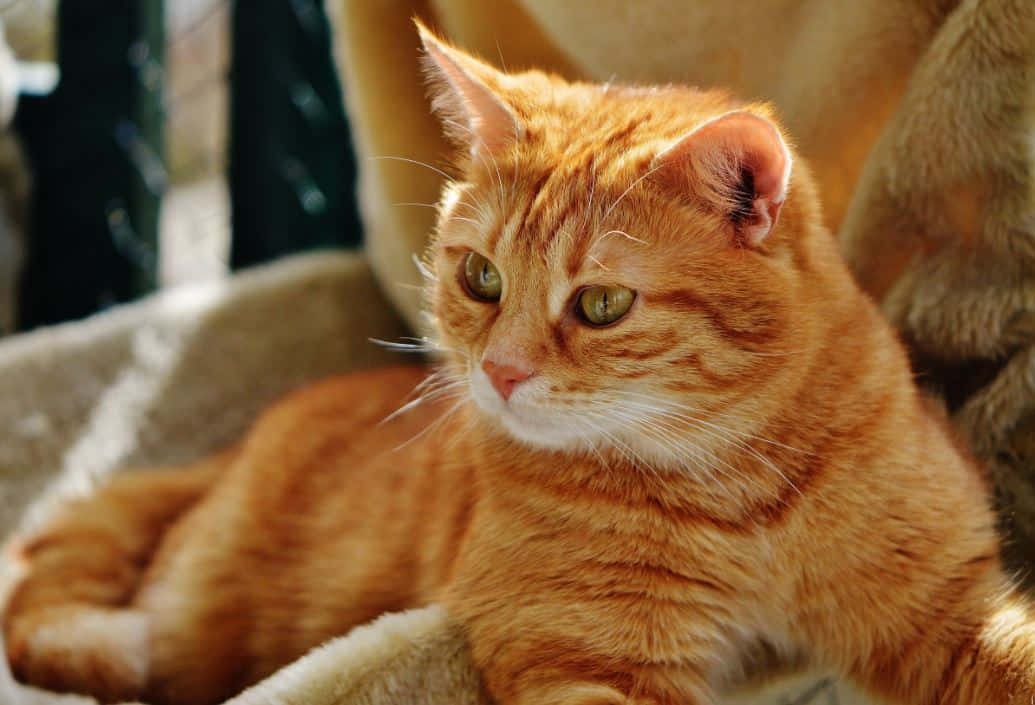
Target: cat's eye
x,y
603,305
481,278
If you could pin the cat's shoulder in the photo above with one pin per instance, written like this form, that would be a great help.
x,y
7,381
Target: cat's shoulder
x,y
357,395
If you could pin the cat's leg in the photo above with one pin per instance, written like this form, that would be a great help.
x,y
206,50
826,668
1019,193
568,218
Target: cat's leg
x,y
578,691
561,674
979,652
68,624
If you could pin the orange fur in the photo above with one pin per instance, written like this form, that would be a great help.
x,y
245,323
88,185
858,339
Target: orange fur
x,y
742,459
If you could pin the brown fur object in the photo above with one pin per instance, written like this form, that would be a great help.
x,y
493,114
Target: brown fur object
x,y
916,116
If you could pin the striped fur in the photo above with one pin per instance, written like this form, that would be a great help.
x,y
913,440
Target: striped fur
x,y
741,461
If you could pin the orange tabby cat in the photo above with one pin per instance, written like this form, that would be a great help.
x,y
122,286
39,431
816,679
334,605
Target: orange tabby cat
x,y
669,428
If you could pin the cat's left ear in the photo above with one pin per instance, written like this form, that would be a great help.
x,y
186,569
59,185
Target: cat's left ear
x,y
737,163
466,93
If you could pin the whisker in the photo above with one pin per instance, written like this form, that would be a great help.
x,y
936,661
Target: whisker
x,y
444,390
626,192
408,286
678,445
468,426
693,410
624,449
661,418
592,190
416,203
503,64
436,384
424,268
434,206
418,345
504,194
619,232
434,424
726,435
400,347
438,171
592,446
672,441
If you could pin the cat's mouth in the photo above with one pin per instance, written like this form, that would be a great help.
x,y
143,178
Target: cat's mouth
x,y
524,419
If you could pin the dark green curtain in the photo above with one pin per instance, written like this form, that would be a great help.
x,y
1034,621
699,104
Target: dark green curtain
x,y
292,173
95,146
96,149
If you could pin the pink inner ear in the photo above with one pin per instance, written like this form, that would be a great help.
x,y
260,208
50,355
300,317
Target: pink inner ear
x,y
711,159
462,95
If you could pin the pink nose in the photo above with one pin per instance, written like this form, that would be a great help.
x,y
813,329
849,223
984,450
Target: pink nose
x,y
505,377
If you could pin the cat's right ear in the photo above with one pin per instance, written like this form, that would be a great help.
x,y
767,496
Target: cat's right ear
x,y
737,163
466,94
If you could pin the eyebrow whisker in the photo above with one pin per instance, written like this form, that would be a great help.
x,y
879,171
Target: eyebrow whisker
x,y
625,193
623,234
438,171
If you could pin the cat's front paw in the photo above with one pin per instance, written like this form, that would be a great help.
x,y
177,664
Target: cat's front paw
x,y
73,648
572,694
589,693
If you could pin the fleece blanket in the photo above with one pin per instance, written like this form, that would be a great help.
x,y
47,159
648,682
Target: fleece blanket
x,y
183,373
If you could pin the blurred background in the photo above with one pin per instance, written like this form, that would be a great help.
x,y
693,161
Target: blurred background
x,y
159,142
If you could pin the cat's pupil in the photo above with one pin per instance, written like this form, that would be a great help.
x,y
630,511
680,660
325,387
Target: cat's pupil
x,y
600,305
481,278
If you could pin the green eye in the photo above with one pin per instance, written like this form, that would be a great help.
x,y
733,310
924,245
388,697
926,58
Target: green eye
x,y
481,278
601,305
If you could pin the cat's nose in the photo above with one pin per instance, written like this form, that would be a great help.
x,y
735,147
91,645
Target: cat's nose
x,y
505,377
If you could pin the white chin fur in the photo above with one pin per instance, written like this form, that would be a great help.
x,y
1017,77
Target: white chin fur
x,y
549,429
522,420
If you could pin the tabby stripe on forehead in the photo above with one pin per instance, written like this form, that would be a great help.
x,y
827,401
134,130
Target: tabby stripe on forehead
x,y
622,132
582,164
494,238
523,218
550,229
574,206
538,225
577,254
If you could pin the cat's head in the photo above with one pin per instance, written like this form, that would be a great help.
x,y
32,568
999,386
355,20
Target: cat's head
x,y
615,267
